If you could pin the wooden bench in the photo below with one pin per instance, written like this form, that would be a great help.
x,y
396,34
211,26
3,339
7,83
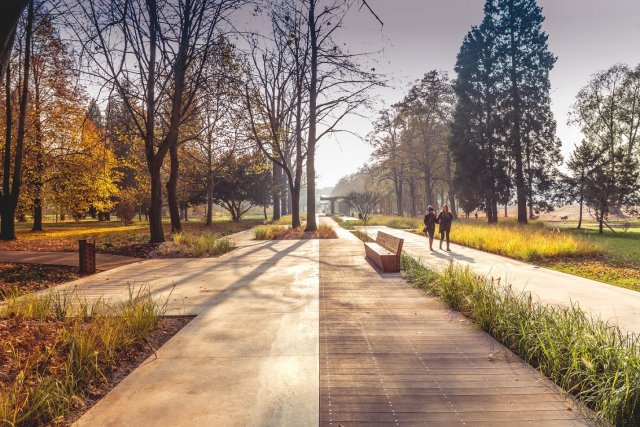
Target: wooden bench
x,y
385,252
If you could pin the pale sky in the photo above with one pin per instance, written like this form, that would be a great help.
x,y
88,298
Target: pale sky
x,y
421,35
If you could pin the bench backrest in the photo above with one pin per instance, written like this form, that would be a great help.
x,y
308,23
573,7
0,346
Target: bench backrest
x,y
389,242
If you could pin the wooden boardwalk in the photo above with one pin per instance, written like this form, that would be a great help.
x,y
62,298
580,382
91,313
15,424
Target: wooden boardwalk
x,y
391,355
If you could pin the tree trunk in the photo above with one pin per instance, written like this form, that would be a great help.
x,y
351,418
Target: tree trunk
x,y
154,160
10,199
284,198
295,207
276,190
11,12
38,183
172,190
313,117
399,197
450,188
7,220
580,213
209,221
413,195
155,209
516,137
37,215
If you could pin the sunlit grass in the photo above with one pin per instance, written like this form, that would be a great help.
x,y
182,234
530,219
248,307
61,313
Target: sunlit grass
x,y
273,232
591,359
202,243
286,219
527,243
84,231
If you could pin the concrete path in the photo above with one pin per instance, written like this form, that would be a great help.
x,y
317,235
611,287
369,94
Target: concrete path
x,y
249,358
618,305
391,355
103,261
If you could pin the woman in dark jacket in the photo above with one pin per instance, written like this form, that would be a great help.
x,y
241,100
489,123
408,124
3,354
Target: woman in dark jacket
x,y
444,219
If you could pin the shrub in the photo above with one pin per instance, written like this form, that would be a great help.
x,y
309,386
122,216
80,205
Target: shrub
x,y
591,359
202,243
126,210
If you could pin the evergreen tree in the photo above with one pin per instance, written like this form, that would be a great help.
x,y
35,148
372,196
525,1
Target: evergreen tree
x,y
503,125
524,64
478,151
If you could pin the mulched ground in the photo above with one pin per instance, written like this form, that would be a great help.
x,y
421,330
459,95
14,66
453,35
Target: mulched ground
x,y
25,278
34,340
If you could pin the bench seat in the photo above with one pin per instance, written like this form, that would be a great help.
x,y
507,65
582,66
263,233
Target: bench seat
x,y
379,249
385,252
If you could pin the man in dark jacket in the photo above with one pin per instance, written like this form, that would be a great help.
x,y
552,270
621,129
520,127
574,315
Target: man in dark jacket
x,y
430,225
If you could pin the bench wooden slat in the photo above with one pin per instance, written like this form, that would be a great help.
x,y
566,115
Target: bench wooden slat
x,y
385,252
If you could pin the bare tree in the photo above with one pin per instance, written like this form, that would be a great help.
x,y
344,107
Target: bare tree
x,y
365,202
338,82
275,95
160,48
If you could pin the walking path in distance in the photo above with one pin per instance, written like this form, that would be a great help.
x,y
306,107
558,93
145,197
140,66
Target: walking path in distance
x,y
391,355
249,358
618,305
103,261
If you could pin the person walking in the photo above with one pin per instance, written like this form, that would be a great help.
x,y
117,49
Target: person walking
x,y
430,225
444,219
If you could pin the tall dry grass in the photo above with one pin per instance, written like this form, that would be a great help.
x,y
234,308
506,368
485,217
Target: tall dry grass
x,y
202,243
529,242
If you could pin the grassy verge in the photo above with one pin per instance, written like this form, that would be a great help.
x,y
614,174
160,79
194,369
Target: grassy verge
x,y
590,359
282,232
57,351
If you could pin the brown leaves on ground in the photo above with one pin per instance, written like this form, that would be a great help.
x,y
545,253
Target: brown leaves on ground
x,y
18,279
38,350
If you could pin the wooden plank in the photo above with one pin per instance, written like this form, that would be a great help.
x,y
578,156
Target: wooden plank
x,y
388,352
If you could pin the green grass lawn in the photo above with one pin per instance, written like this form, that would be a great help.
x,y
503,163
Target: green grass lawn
x,y
620,263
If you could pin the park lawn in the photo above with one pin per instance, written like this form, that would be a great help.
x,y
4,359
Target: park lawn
x,y
112,237
619,264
